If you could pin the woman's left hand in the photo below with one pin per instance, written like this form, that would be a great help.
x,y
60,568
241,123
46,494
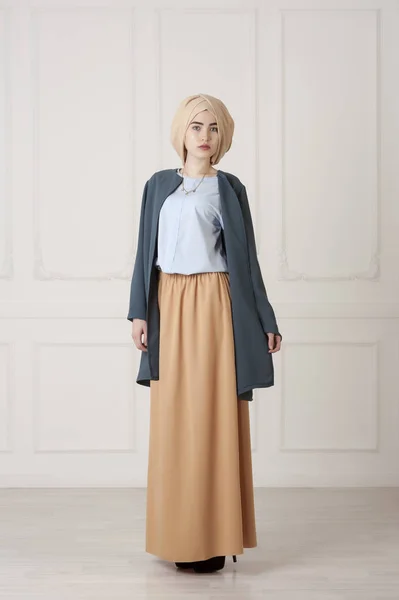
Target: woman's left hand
x,y
274,342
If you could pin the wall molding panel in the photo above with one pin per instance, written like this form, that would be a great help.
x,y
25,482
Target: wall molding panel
x,y
286,271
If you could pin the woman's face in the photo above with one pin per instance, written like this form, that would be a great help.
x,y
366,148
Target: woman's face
x,y
202,135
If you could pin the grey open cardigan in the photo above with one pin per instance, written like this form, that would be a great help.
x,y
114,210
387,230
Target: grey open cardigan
x,y
252,313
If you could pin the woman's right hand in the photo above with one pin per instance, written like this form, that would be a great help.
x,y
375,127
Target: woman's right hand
x,y
139,329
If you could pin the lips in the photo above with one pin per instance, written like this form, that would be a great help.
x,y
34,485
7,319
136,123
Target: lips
x,y
204,147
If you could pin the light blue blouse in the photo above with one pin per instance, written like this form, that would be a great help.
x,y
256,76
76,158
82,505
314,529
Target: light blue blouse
x,y
190,229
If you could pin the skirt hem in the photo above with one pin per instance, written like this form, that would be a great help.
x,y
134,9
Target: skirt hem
x,y
168,557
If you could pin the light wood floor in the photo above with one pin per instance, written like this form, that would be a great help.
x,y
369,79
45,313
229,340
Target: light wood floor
x,y
72,544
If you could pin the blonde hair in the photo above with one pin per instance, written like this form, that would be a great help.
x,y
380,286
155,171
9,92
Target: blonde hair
x,y
186,112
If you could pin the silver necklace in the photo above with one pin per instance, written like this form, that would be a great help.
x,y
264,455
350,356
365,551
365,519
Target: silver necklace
x,y
194,189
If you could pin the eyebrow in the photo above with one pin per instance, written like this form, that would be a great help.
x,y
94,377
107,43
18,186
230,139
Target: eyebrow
x,y
199,123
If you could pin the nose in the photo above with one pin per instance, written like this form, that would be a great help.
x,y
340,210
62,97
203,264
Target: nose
x,y
205,135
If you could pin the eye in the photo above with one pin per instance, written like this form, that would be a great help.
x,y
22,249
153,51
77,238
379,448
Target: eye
x,y
215,129
195,126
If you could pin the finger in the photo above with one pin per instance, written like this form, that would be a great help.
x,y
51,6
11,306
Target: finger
x,y
278,345
140,345
270,341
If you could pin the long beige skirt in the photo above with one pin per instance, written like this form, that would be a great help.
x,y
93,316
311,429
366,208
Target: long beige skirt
x,y
200,500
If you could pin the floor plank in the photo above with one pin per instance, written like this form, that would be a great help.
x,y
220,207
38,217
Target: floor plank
x,y
313,544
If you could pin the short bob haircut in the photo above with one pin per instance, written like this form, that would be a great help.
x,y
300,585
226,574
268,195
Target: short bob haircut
x,y
187,111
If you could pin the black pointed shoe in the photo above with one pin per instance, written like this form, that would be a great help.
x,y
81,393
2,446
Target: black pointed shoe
x,y
216,563
184,565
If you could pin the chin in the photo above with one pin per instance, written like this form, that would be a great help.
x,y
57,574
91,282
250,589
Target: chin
x,y
203,153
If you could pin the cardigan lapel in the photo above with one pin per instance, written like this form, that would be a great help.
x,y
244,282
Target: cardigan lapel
x,y
170,182
231,210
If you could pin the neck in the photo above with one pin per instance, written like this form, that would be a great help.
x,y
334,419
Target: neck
x,y
195,167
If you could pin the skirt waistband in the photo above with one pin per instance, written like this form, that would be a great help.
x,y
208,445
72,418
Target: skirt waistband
x,y
178,275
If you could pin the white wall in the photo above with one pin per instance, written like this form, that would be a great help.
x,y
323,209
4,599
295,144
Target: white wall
x,y
87,94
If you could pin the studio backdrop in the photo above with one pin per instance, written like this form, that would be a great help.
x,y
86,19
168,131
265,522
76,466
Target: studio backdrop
x,y
87,94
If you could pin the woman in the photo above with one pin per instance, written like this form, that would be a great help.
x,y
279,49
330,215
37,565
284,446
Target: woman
x,y
201,317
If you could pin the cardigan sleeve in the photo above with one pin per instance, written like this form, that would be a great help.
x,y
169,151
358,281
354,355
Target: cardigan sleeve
x,y
265,309
138,304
